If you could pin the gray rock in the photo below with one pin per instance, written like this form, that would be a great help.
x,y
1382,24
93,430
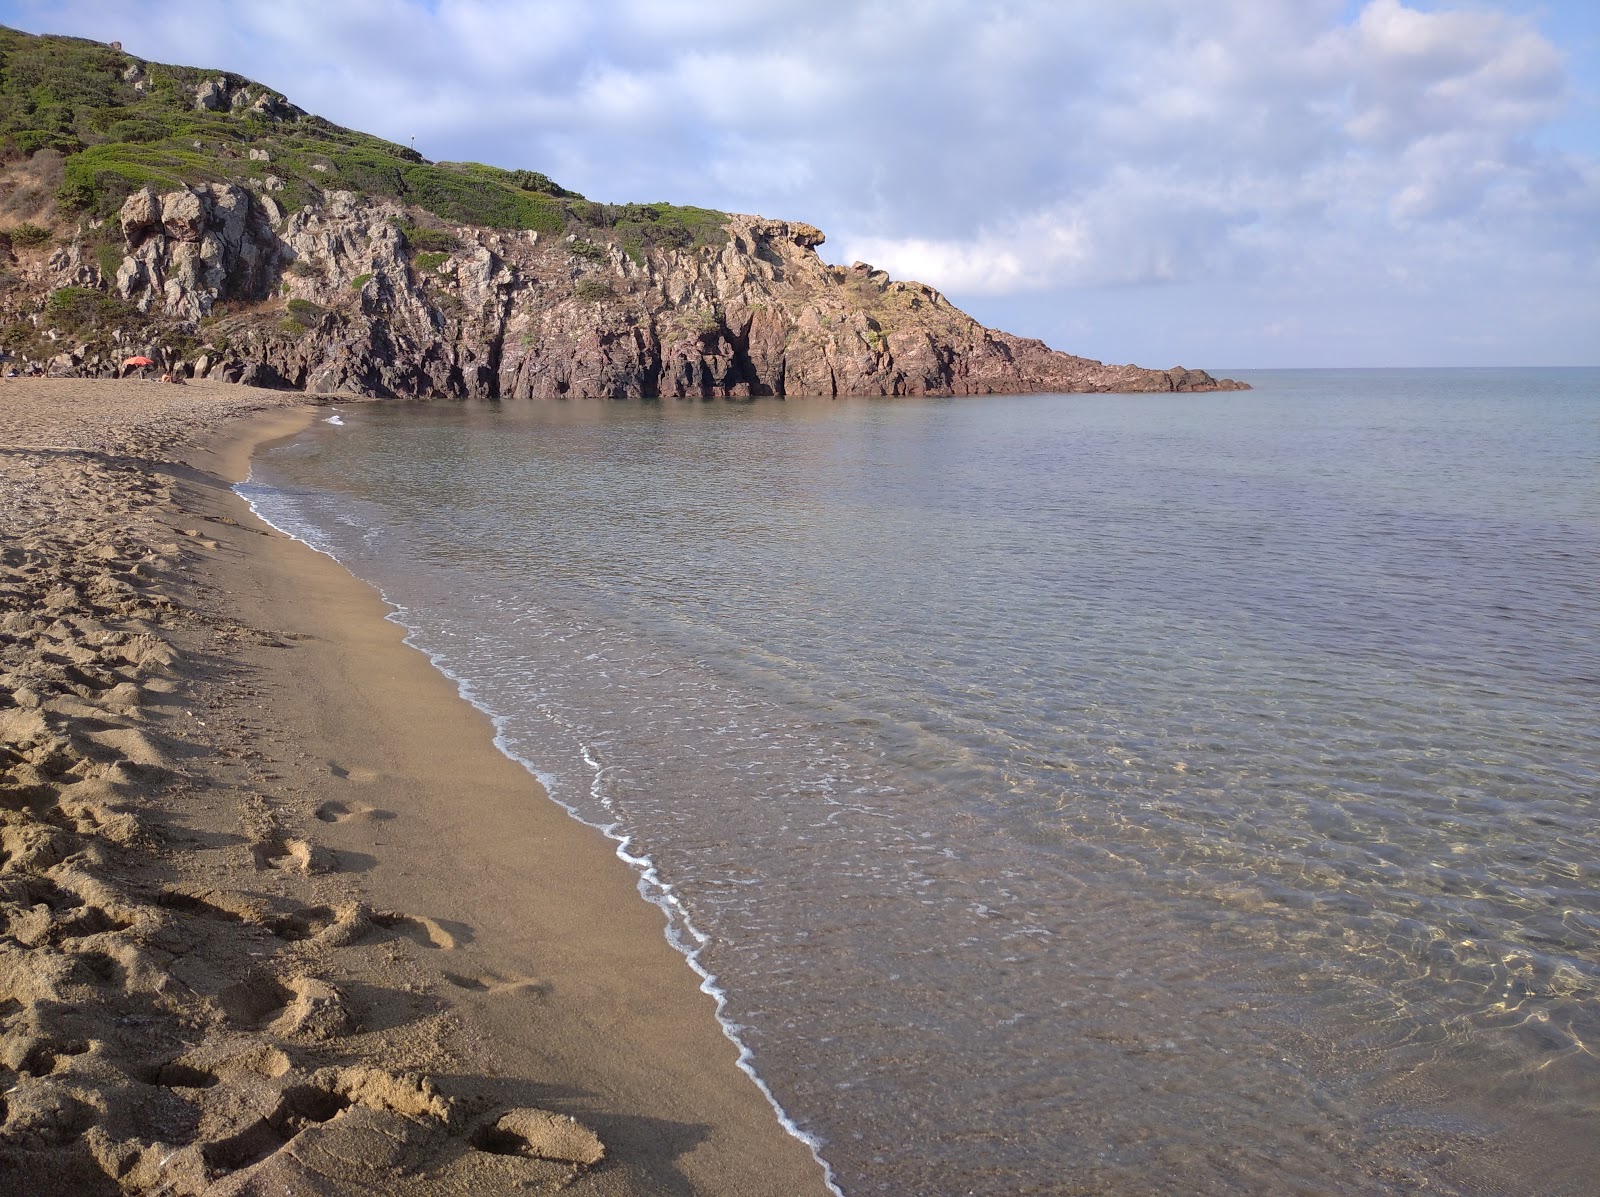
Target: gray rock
x,y
183,215
211,95
760,314
141,215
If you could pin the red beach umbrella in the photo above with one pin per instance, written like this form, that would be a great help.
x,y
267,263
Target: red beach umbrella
x,y
137,361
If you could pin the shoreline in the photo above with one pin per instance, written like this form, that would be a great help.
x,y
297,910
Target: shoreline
x,y
678,926
440,965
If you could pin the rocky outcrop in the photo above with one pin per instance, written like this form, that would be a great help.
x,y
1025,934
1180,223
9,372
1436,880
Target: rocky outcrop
x,y
225,95
188,248
334,297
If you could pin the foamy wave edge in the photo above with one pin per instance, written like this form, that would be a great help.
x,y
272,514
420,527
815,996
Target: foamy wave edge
x,y
680,928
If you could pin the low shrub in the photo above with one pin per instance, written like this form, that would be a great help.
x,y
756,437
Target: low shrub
x,y
108,257
594,290
536,180
421,240
305,312
82,308
67,96
431,261
31,236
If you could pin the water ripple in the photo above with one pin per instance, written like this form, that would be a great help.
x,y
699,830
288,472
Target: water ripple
x,y
1156,794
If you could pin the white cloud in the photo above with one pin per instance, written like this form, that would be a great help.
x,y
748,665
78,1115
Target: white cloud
x,y
1277,143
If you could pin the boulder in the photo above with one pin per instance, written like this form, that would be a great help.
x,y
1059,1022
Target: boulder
x,y
211,95
274,108
258,374
140,215
183,215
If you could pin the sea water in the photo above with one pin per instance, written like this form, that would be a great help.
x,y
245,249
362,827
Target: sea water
x,y
1063,794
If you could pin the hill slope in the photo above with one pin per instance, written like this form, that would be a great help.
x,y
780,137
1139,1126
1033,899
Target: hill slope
x,y
203,219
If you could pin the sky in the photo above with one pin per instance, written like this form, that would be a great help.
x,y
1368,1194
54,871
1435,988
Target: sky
x,y
1212,183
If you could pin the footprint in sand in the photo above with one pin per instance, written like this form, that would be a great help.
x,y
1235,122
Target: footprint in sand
x,y
294,1007
217,904
355,773
496,984
432,933
342,812
290,855
351,922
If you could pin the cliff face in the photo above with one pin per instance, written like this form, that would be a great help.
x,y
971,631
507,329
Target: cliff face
x,y
336,298
283,250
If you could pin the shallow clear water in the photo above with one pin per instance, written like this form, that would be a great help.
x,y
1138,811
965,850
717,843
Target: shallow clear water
x,y
1069,793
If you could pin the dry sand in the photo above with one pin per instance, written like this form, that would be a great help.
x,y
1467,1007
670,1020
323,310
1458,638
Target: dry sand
x,y
275,915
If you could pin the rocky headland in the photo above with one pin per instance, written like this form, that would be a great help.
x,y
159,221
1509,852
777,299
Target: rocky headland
x,y
232,235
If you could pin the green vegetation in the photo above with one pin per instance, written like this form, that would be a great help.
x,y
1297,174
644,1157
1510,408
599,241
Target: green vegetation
x,y
593,290
360,280
421,240
108,257
665,226
79,308
588,251
122,123
533,180
30,236
430,262
305,312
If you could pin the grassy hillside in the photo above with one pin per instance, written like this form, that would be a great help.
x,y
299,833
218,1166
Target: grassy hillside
x,y
120,122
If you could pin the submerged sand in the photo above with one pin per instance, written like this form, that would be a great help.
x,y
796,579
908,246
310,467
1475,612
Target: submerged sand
x,y
275,915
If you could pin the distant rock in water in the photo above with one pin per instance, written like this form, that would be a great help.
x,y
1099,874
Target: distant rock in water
x,y
289,279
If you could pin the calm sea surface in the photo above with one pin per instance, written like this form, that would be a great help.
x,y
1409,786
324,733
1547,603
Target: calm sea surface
x,y
1068,794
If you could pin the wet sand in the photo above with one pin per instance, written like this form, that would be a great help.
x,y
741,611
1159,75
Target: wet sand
x,y
275,915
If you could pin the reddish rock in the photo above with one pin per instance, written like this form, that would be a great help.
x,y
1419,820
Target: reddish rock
x,y
516,315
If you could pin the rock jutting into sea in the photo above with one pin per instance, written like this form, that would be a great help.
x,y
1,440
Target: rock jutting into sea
x,y
288,252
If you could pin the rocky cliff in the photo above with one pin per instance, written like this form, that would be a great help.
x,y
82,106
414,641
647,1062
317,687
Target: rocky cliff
x,y
324,288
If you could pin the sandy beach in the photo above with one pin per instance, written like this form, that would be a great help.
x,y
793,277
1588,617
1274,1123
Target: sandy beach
x,y
277,915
